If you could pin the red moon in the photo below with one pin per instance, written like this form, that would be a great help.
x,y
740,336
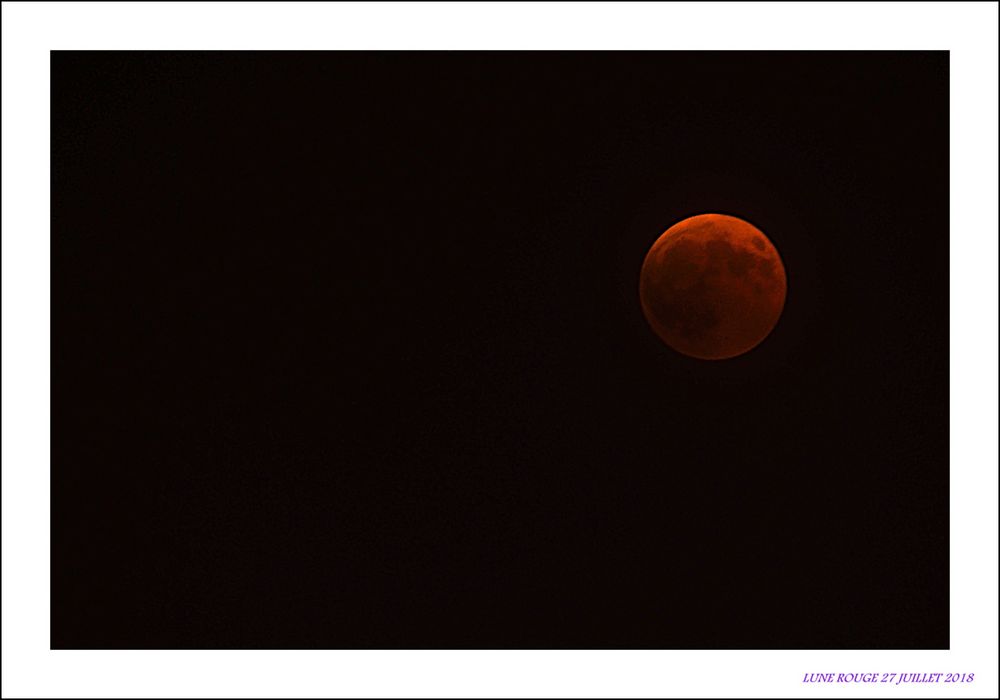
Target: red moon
x,y
712,286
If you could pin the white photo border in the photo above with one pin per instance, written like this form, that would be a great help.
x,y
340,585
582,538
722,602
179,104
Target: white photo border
x,y
31,30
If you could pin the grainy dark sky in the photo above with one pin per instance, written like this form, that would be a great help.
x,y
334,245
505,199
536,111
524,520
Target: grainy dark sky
x,y
347,352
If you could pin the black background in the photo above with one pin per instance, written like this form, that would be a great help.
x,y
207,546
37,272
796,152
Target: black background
x,y
347,352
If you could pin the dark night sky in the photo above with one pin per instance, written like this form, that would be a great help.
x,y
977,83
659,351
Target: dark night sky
x,y
347,352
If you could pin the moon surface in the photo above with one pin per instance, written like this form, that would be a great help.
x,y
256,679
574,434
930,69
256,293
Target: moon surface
x,y
712,286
